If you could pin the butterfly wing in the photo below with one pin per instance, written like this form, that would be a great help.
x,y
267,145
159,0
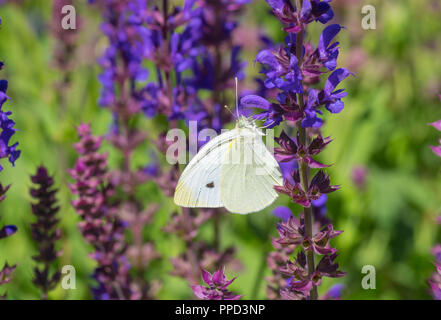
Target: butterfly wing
x,y
199,184
248,174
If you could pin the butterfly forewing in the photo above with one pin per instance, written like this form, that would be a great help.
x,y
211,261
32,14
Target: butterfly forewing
x,y
199,184
248,174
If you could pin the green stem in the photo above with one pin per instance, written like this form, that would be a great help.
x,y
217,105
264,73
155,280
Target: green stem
x,y
303,167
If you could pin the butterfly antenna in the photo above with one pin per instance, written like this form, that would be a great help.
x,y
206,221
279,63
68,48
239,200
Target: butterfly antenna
x,y
228,108
237,100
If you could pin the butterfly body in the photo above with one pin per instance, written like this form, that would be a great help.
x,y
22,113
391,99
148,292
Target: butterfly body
x,y
234,170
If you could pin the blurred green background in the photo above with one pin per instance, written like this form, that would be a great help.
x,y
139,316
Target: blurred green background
x,y
389,223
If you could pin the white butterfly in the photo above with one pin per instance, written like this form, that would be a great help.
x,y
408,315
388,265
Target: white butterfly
x,y
234,170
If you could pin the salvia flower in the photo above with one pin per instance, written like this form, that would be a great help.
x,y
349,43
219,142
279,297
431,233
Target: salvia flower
x,y
290,149
435,280
7,125
292,232
319,185
44,231
281,70
216,287
6,231
100,224
203,58
334,293
295,21
293,71
10,152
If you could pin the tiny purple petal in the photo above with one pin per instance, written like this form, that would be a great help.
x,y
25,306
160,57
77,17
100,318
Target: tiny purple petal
x,y
254,101
282,212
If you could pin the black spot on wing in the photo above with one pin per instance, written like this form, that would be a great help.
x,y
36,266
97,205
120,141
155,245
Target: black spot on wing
x,y
210,185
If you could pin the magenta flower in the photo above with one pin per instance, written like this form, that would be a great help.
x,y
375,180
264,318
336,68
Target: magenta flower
x,y
6,231
435,280
217,286
101,226
319,185
294,72
295,21
292,232
290,149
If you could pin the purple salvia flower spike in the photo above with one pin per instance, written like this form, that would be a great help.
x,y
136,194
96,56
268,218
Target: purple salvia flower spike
x,y
435,280
45,231
10,152
217,287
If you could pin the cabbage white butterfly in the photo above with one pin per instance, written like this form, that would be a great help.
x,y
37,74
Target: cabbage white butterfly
x,y
234,170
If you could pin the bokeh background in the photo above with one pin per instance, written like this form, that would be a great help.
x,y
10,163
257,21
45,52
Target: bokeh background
x,y
390,179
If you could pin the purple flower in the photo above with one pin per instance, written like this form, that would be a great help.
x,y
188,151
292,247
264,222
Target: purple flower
x,y
272,114
320,184
312,10
10,152
8,130
44,231
281,70
437,126
332,98
6,231
328,53
435,280
128,41
283,213
292,232
217,286
291,71
290,149
319,210
6,276
359,176
100,225
334,293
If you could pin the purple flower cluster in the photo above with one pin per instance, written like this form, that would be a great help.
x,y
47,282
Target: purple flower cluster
x,y
297,20
6,231
10,152
7,126
284,71
294,71
124,93
216,287
63,55
188,45
123,58
435,280
100,224
44,231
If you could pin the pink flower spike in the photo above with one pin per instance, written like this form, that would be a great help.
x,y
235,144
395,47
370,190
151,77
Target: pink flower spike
x,y
436,150
436,125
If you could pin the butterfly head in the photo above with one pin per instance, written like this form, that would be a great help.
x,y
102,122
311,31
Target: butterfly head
x,y
244,122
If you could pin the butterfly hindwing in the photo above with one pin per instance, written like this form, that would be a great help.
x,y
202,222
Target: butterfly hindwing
x,y
248,174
